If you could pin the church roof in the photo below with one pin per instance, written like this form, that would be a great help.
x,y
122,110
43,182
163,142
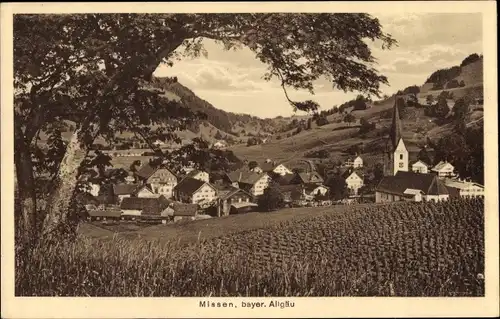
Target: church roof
x,y
396,128
429,184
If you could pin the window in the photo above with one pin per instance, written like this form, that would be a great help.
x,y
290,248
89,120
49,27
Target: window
x,y
401,164
400,156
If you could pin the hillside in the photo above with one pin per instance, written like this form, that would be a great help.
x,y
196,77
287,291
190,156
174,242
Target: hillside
x,y
337,137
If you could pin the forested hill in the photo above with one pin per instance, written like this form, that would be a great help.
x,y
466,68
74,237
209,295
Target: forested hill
x,y
227,122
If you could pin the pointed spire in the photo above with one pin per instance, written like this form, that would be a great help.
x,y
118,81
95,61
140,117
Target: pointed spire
x,y
396,130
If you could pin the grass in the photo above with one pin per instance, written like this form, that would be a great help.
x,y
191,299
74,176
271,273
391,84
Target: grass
x,y
405,249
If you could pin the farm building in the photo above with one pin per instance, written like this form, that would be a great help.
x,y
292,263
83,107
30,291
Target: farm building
x,y
161,179
194,191
249,181
122,191
444,169
232,200
419,167
104,214
312,190
354,163
465,188
135,206
184,211
410,186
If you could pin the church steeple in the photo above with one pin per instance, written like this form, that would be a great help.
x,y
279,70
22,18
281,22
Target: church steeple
x,y
395,134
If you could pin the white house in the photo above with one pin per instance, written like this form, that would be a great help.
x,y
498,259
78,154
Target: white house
x,y
358,162
199,175
312,190
161,179
354,181
444,169
194,191
249,181
145,191
419,167
465,188
282,170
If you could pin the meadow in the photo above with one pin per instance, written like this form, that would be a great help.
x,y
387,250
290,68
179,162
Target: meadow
x,y
401,249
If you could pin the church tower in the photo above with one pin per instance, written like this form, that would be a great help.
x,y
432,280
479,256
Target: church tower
x,y
396,157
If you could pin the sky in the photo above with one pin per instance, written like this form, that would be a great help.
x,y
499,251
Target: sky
x,y
232,80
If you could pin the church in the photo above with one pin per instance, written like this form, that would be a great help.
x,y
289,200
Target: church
x,y
399,183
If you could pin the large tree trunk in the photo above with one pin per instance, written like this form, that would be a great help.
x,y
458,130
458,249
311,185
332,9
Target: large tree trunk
x,y
26,224
57,219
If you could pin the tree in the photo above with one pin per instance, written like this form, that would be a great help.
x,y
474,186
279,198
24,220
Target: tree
x,y
378,173
271,199
309,124
423,156
338,187
442,108
349,118
460,109
429,99
96,70
218,135
135,165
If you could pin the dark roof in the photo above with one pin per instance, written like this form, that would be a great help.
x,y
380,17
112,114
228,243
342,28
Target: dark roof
x,y
346,172
395,133
244,176
285,179
311,187
430,184
182,209
105,213
147,205
454,192
312,177
190,185
231,191
146,170
125,189
193,173
86,198
267,167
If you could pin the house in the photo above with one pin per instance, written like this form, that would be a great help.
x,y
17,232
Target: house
x,y
161,179
249,181
184,211
232,200
94,189
444,169
411,186
353,179
465,188
310,191
219,145
137,206
420,167
268,167
312,177
122,191
194,191
200,175
358,162
292,193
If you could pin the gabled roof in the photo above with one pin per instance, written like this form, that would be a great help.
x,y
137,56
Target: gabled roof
x,y
285,179
245,176
231,191
125,189
312,177
429,184
194,172
147,205
267,167
345,173
147,170
419,162
190,185
439,166
183,209
309,187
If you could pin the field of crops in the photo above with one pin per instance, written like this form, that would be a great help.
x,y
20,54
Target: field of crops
x,y
403,249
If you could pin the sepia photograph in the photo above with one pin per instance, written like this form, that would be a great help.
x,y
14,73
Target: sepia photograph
x,y
250,154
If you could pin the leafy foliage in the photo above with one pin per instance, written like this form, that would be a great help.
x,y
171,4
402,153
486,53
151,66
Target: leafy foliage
x,y
271,199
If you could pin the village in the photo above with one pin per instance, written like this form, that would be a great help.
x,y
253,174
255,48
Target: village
x,y
154,193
